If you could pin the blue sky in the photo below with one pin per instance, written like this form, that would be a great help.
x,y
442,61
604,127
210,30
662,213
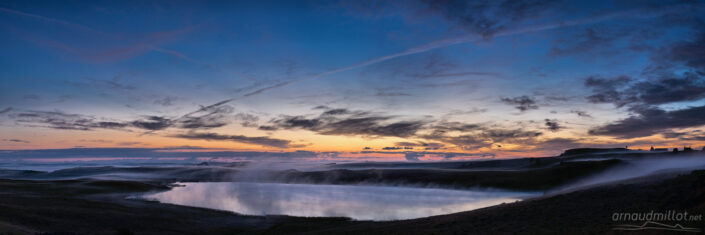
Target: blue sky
x,y
499,78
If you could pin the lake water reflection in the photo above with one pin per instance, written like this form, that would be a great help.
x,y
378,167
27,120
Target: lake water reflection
x,y
353,201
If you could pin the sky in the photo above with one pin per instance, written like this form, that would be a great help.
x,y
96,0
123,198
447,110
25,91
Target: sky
x,y
410,80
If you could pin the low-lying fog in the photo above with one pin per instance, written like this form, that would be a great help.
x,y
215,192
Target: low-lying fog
x,y
639,167
353,201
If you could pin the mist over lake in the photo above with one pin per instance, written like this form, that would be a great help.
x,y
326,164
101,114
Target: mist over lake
x,y
358,202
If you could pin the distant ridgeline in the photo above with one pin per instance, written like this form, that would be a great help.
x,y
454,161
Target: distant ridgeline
x,y
579,151
582,151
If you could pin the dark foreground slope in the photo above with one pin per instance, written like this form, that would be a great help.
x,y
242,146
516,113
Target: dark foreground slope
x,y
99,207
581,212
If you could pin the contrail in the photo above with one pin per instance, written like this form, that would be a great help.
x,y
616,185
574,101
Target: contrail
x,y
198,62
149,46
62,22
635,13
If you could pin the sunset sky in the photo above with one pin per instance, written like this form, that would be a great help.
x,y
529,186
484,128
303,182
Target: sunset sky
x,y
410,79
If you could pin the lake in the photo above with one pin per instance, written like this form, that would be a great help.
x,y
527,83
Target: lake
x,y
358,202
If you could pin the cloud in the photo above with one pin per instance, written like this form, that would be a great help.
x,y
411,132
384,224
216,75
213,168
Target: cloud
x,y
152,123
428,71
604,38
166,101
263,141
553,125
432,65
559,144
557,98
473,136
663,82
488,17
6,110
347,122
154,153
204,122
581,113
16,140
690,87
700,137
426,133
64,121
648,121
463,74
444,126
501,135
642,98
412,156
247,120
113,84
393,148
690,53
466,142
208,118
407,144
96,141
621,91
474,110
522,103
430,134
214,117
129,143
606,90
695,135
390,94
423,145
268,128
335,112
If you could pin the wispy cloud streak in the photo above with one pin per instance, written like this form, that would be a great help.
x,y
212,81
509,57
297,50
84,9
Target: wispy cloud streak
x,y
635,13
49,19
150,45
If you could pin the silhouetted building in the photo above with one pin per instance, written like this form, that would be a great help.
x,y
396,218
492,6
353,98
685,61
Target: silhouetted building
x,y
659,149
675,150
687,149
